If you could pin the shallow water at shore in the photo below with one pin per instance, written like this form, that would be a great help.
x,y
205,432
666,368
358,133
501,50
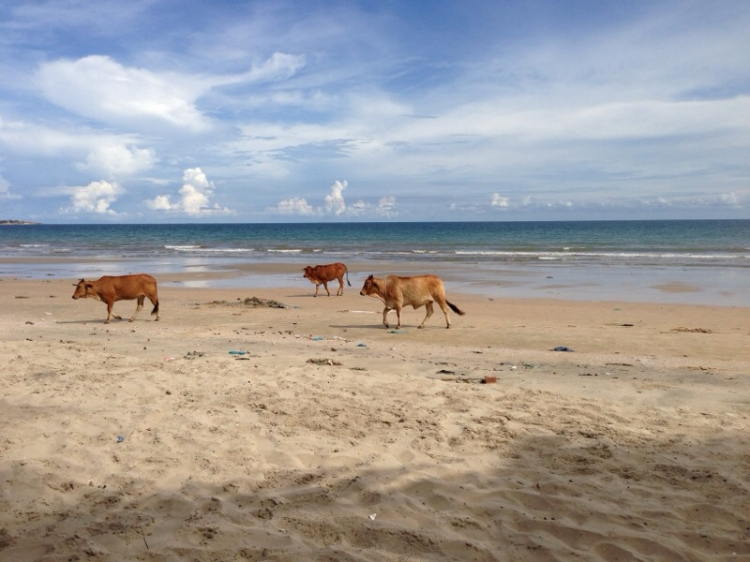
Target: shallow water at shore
x,y
688,285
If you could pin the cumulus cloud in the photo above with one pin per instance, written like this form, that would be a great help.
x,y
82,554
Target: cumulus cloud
x,y
96,198
335,204
194,197
357,208
335,200
293,206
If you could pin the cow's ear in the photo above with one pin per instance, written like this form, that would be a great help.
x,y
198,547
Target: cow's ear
x,y
89,285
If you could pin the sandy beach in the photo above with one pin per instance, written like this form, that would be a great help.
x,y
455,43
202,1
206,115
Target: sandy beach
x,y
234,430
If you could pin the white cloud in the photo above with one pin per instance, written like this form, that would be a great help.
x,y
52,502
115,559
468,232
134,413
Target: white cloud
x,y
194,197
116,159
703,201
499,201
101,88
95,197
335,200
293,206
387,206
730,199
279,67
357,209
159,203
99,153
336,205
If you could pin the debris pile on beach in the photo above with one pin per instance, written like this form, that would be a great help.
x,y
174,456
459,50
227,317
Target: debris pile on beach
x,y
252,302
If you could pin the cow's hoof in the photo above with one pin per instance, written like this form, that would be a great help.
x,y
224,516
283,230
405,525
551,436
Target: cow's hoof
x,y
420,327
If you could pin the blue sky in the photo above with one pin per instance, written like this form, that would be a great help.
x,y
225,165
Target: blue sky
x,y
242,111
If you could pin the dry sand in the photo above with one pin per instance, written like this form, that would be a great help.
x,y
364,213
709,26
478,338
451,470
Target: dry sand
x,y
329,437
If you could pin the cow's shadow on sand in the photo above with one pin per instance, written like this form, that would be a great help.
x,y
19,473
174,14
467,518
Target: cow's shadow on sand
x,y
112,322
357,326
312,296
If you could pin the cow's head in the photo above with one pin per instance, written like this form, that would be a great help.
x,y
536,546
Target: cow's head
x,y
369,288
308,272
82,289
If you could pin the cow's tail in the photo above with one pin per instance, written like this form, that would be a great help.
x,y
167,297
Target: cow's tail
x,y
346,270
156,309
455,309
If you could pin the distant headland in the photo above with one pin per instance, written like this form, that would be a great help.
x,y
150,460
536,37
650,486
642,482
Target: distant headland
x,y
14,222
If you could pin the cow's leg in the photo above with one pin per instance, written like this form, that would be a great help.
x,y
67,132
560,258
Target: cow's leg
x,y
428,309
444,306
340,292
155,301
398,316
138,308
317,286
325,286
110,304
386,310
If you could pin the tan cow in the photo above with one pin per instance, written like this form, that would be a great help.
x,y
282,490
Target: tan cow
x,y
322,274
110,289
398,292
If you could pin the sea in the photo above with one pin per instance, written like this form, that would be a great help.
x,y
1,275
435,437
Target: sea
x,y
675,261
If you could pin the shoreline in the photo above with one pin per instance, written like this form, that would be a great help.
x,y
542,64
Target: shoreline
x,y
549,281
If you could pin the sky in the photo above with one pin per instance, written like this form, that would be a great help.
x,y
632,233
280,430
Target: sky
x,y
158,111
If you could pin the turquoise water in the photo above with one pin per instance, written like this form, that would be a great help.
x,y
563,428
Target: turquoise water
x,y
613,259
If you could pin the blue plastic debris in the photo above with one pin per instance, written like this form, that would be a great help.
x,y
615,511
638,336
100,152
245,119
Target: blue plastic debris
x,y
120,439
562,348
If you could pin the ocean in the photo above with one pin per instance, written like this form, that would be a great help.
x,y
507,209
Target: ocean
x,y
701,261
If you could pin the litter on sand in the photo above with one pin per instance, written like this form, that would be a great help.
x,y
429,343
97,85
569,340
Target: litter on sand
x,y
562,348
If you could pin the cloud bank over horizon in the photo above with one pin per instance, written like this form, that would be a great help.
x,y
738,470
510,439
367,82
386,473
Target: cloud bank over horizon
x,y
292,111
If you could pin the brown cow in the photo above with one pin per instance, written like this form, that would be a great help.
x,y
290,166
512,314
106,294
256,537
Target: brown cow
x,y
397,292
110,289
322,274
